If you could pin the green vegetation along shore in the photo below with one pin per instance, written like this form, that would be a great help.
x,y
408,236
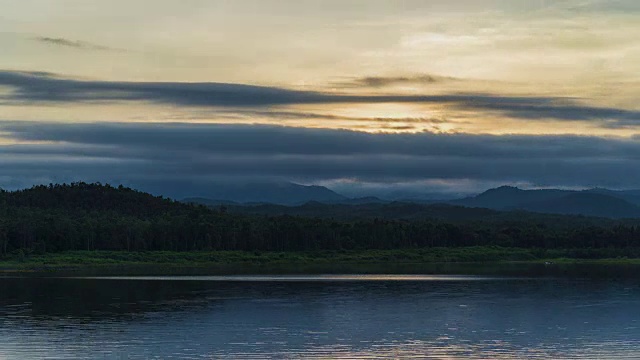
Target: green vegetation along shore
x,y
468,260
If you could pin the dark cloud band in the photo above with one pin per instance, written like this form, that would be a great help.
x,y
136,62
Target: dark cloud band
x,y
198,152
42,87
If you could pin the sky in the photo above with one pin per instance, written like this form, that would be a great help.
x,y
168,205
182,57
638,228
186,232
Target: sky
x,y
362,96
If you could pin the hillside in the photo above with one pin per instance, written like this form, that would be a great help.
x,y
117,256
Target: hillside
x,y
596,202
588,204
632,196
370,210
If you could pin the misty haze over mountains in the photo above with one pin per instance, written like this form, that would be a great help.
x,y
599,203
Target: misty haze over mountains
x,y
596,202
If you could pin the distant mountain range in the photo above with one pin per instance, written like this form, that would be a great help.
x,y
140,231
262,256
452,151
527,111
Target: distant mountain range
x,y
593,202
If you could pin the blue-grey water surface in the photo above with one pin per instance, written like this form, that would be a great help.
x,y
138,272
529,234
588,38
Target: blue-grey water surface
x,y
319,317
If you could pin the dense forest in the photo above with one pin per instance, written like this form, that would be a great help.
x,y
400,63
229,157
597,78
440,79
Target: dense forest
x,y
83,216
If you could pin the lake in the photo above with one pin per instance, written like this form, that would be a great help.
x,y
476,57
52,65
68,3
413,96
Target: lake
x,y
318,317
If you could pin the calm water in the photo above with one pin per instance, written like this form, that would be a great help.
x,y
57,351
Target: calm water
x,y
318,317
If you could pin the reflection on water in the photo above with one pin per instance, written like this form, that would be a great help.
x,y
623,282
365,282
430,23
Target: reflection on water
x,y
298,278
318,317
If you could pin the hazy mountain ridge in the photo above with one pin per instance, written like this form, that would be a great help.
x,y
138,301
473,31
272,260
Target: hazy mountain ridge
x,y
304,200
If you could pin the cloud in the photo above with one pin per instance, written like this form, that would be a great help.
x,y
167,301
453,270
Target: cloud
x,y
311,115
384,81
276,140
551,108
43,87
82,45
165,154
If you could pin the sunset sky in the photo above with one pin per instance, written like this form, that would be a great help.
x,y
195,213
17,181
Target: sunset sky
x,y
360,96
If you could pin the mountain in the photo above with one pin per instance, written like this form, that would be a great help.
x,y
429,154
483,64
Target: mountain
x,y
509,197
363,201
594,202
282,193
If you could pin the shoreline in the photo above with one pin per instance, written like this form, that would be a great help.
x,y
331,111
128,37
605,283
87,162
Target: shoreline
x,y
446,261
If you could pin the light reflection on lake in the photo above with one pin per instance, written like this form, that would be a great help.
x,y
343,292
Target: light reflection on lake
x,y
334,316
297,278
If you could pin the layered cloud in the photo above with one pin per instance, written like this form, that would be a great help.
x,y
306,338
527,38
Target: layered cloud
x,y
144,153
386,81
38,87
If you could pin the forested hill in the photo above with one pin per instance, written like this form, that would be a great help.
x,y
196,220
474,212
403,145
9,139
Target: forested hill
x,y
91,198
100,217
389,211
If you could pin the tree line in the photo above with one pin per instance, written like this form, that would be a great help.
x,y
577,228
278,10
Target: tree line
x,y
83,216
